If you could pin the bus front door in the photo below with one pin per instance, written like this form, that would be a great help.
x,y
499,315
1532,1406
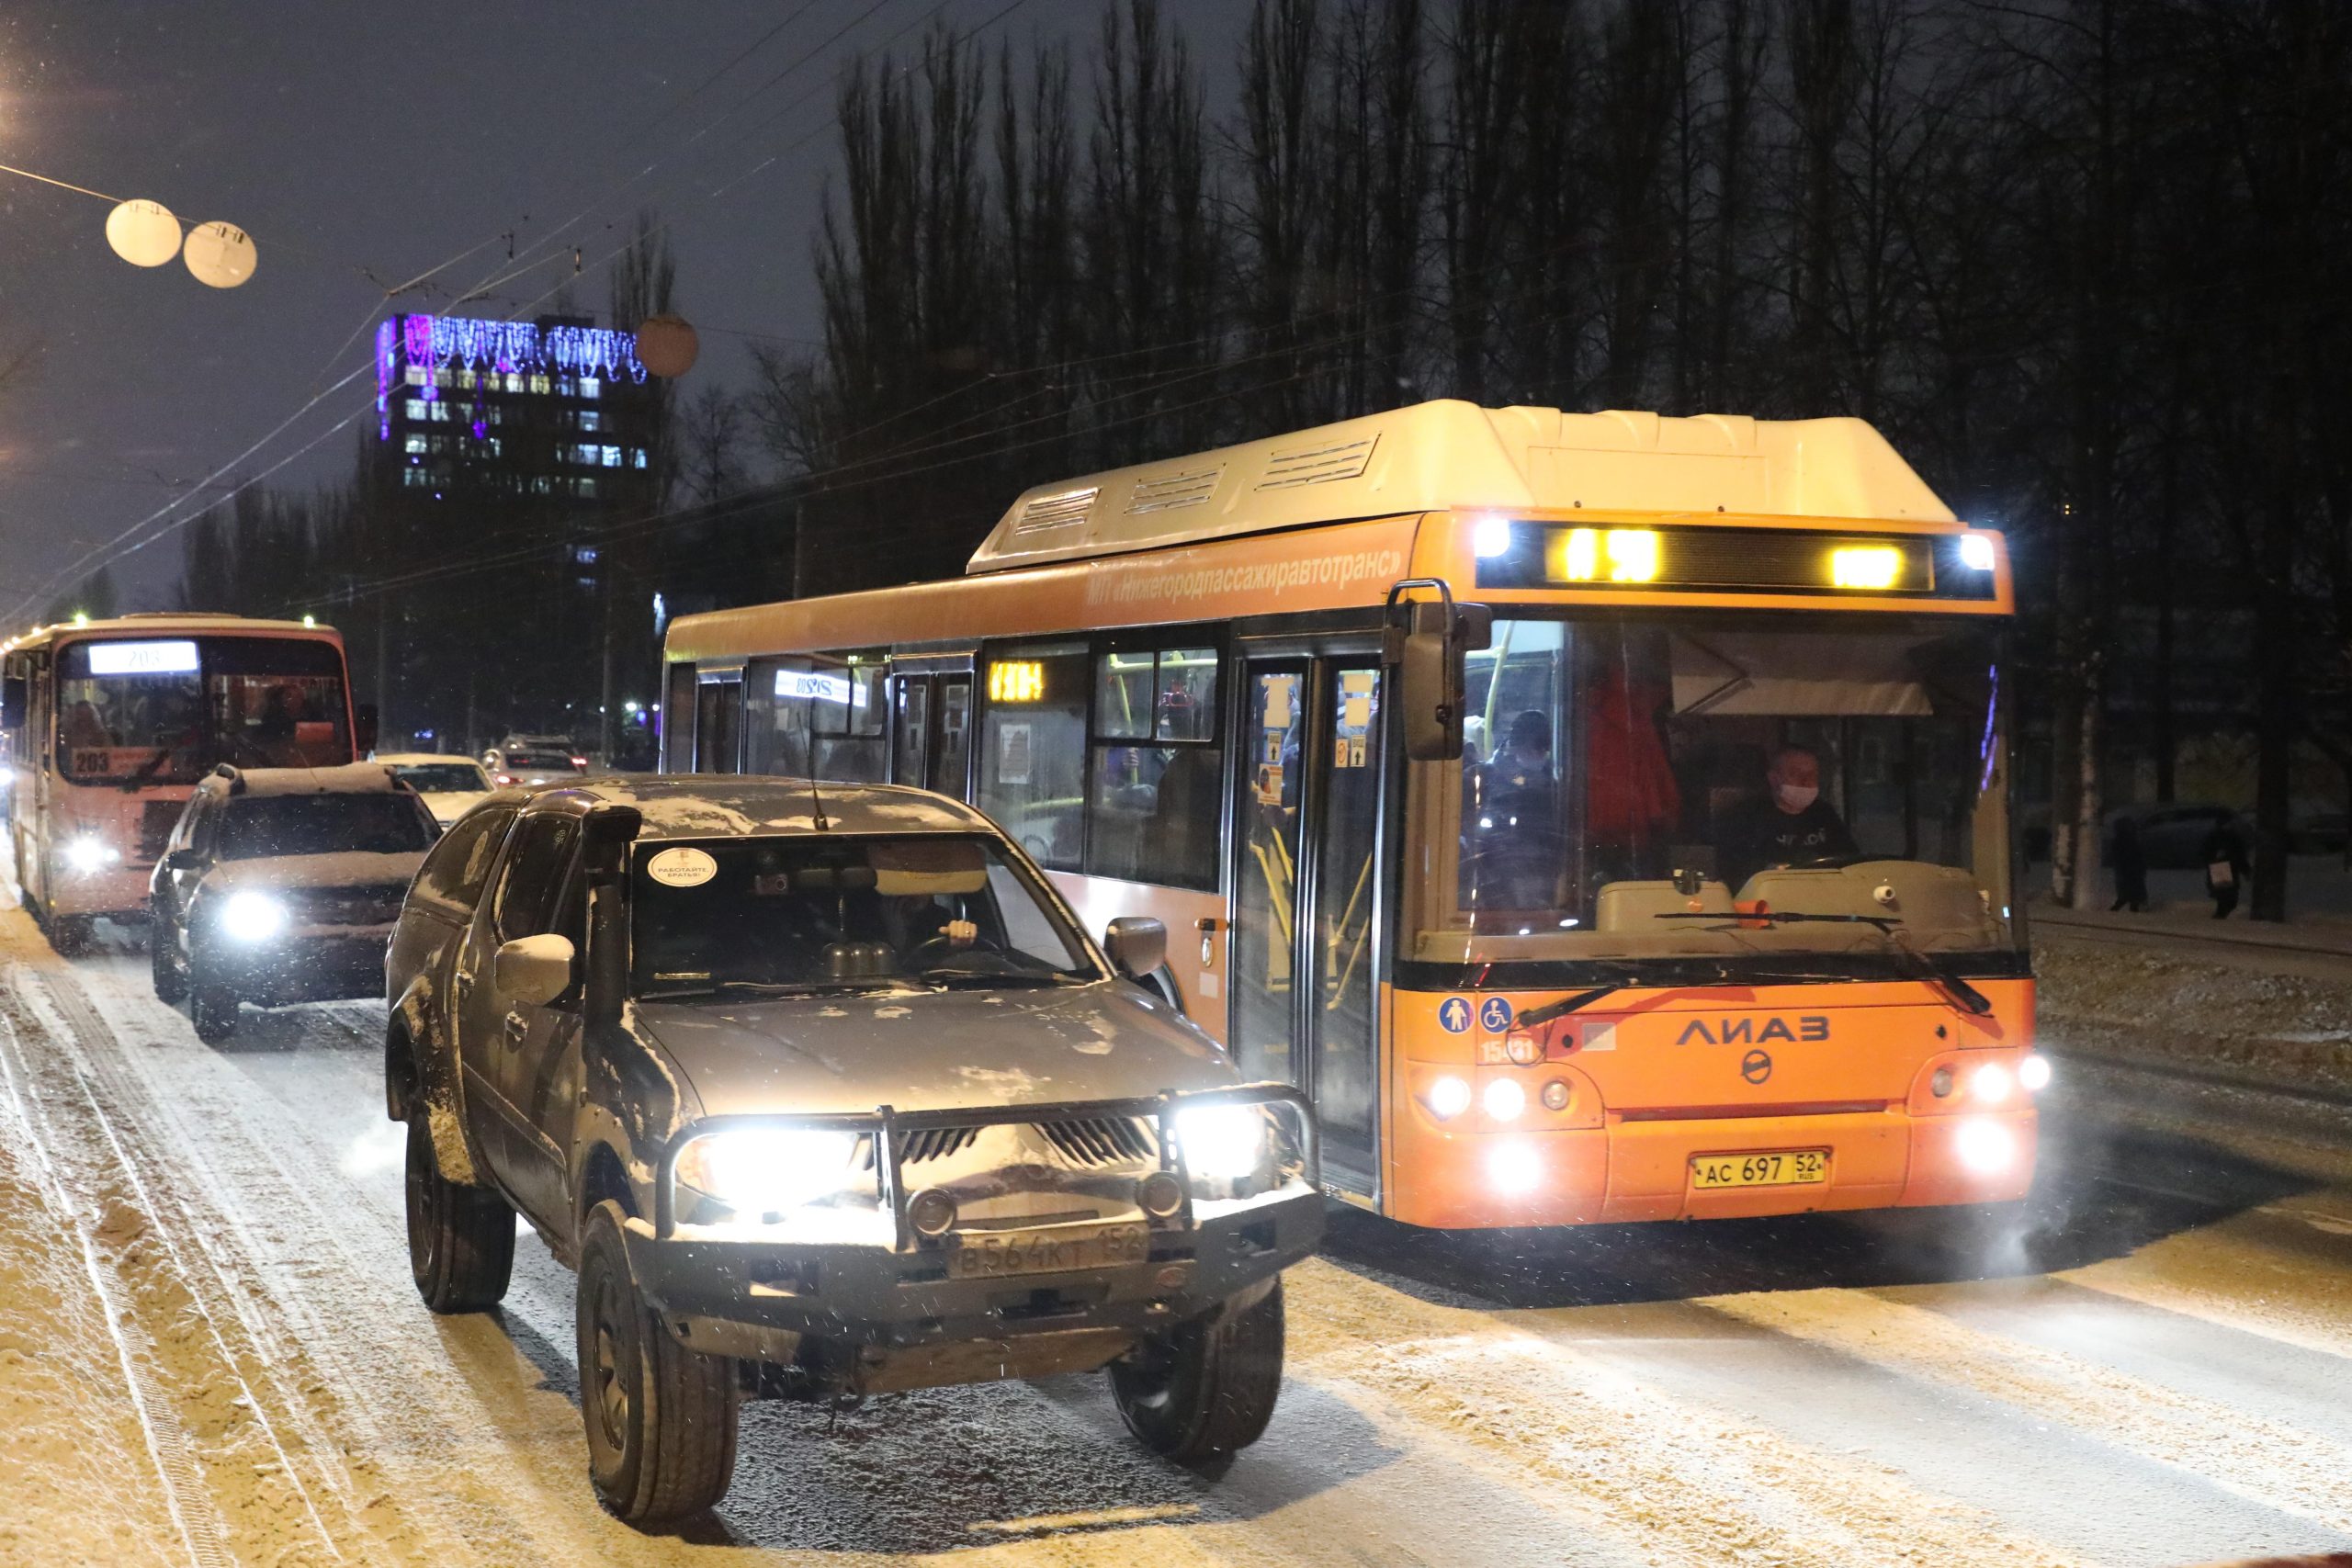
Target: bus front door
x,y
931,732
1304,981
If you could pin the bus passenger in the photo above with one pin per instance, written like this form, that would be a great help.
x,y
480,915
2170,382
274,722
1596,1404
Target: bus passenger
x,y
1791,825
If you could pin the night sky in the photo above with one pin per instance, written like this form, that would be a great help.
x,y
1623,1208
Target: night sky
x,y
361,144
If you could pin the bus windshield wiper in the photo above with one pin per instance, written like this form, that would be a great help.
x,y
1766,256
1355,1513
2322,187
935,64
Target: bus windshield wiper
x,y
1585,999
1913,962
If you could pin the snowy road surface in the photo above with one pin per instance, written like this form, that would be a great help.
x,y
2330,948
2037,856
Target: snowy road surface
x,y
210,1354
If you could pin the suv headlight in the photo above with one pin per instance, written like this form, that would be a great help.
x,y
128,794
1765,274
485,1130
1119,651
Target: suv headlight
x,y
766,1170
252,916
1222,1143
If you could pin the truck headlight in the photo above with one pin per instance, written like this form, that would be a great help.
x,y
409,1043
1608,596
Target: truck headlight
x,y
767,1171
1222,1143
252,916
87,856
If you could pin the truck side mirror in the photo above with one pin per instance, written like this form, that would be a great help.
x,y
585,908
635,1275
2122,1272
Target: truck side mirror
x,y
1433,695
12,703
186,858
1137,946
535,970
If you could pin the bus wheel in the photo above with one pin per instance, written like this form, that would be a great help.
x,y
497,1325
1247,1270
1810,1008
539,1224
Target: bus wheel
x,y
1206,1388
170,985
661,1419
68,934
212,1009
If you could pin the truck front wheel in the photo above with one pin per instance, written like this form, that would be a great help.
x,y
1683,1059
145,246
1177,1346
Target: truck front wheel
x,y
461,1239
1205,1388
661,1419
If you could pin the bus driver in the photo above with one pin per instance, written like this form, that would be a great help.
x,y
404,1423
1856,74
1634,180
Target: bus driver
x,y
1791,825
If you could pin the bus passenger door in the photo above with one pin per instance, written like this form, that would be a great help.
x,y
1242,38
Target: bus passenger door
x,y
931,720
909,729
718,724
1303,971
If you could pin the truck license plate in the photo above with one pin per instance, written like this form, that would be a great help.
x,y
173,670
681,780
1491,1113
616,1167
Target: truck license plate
x,y
988,1255
1793,1168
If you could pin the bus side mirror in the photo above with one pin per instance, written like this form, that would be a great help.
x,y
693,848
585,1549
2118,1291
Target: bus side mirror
x,y
1431,693
363,736
12,703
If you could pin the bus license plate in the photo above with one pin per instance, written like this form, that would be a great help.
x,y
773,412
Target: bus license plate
x,y
993,1255
1795,1167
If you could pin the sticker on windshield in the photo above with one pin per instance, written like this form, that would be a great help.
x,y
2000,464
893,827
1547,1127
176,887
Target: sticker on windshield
x,y
681,867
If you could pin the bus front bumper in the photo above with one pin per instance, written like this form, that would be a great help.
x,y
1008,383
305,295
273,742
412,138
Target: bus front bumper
x,y
1633,1170
118,890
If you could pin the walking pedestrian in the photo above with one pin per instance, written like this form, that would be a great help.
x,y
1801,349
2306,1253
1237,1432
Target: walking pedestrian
x,y
2129,859
2225,866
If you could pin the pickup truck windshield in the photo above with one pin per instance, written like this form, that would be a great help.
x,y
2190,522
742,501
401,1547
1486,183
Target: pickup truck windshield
x,y
842,912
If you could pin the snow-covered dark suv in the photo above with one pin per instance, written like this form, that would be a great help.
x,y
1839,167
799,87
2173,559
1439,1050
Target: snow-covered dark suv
x,y
281,884
822,1098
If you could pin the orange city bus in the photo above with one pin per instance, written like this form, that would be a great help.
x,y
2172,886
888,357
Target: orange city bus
x,y
1667,874
106,725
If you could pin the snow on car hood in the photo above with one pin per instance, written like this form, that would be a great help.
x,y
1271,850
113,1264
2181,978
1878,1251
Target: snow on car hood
x,y
350,868
921,1050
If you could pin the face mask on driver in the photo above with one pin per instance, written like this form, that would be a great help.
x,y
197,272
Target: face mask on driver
x,y
1795,797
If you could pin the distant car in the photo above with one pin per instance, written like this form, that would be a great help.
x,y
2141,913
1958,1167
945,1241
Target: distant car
x,y
2172,836
523,761
823,1100
449,786
282,885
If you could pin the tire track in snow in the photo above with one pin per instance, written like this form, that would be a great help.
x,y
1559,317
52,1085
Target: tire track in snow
x,y
1709,1485
2240,1452
200,1529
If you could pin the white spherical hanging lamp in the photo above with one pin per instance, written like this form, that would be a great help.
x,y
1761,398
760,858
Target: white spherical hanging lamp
x,y
143,233
667,345
220,254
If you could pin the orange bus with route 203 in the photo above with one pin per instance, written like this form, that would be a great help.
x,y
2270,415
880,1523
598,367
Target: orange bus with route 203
x,y
1602,817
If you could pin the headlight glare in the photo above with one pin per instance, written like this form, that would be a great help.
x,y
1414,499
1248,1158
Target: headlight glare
x,y
1985,1148
1505,1100
2034,1073
1992,1083
1448,1098
767,1171
252,916
89,854
1223,1143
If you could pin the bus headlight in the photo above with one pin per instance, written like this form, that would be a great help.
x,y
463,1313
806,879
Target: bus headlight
x,y
1505,1100
1513,1167
1985,1148
766,1170
252,916
89,855
1222,1143
2034,1073
1992,1083
1447,1098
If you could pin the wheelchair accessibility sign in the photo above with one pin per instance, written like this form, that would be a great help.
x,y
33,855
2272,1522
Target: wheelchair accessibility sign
x,y
1494,1015
1454,1015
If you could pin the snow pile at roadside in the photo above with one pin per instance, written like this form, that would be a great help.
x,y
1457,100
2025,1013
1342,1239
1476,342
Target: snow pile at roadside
x,y
2097,999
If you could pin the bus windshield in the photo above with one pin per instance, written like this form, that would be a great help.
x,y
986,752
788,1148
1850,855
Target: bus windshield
x,y
1631,789
165,711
